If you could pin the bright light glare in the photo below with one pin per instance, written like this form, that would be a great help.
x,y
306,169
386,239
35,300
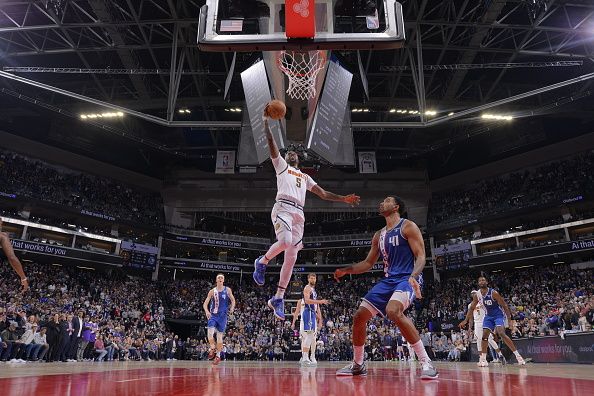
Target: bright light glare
x,y
497,117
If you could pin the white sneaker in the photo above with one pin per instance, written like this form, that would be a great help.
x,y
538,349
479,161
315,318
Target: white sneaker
x,y
21,361
482,363
313,361
305,361
521,361
429,372
13,361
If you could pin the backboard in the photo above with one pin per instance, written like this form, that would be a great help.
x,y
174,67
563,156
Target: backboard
x,y
261,25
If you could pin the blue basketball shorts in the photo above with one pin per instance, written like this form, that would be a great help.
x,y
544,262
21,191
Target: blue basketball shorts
x,y
218,322
379,296
490,322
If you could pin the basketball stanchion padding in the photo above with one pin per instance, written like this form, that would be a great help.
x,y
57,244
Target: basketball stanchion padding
x,y
300,18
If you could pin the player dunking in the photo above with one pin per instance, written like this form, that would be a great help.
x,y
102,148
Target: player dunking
x,y
476,321
12,258
287,218
311,320
401,246
494,321
218,300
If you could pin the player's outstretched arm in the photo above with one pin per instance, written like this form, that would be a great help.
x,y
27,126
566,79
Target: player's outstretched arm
x,y
308,300
350,199
13,259
364,265
205,305
232,298
274,153
470,311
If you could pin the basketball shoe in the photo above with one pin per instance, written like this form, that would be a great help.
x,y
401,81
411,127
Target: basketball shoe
x,y
352,370
259,272
278,306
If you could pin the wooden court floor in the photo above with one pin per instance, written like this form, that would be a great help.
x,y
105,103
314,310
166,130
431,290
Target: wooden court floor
x,y
287,378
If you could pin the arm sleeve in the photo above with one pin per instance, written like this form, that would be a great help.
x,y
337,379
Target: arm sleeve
x,y
310,183
280,165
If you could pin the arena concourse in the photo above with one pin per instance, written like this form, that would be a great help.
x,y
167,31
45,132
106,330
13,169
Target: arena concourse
x,y
419,222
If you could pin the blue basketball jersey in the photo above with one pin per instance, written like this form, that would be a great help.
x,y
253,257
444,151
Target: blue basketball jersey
x,y
396,252
219,303
491,305
309,312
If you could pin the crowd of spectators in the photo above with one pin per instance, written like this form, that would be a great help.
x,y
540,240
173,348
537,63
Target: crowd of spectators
x,y
34,179
77,315
73,315
548,300
548,184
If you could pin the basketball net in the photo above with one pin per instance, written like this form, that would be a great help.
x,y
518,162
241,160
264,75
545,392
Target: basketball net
x,y
301,68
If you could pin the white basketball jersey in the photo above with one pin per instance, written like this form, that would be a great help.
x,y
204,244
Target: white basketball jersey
x,y
291,183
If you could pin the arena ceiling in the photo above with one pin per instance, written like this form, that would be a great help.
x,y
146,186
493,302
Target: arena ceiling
x,y
459,54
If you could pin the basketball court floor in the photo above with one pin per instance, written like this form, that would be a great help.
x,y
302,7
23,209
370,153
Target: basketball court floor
x,y
287,378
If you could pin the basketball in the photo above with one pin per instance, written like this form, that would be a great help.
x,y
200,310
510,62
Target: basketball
x,y
275,109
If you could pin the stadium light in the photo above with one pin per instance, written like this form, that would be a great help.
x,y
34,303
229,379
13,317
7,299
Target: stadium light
x,y
93,116
451,113
431,112
392,110
184,111
497,117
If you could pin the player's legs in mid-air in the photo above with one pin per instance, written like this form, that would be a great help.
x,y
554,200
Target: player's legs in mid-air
x,y
288,224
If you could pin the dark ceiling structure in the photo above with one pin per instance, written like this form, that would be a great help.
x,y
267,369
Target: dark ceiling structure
x,y
142,55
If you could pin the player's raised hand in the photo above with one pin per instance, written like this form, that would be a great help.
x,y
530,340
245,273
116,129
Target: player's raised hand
x,y
416,287
339,273
352,199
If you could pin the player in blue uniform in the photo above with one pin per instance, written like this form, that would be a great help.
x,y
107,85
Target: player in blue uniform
x,y
494,322
311,318
401,246
218,304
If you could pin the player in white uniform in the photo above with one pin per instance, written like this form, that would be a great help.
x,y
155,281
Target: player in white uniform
x,y
478,316
287,218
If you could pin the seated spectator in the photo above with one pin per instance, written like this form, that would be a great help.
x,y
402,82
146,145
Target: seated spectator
x,y
29,347
14,344
40,339
100,349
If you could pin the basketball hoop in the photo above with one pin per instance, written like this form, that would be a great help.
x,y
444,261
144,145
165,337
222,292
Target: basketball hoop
x,y
301,68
